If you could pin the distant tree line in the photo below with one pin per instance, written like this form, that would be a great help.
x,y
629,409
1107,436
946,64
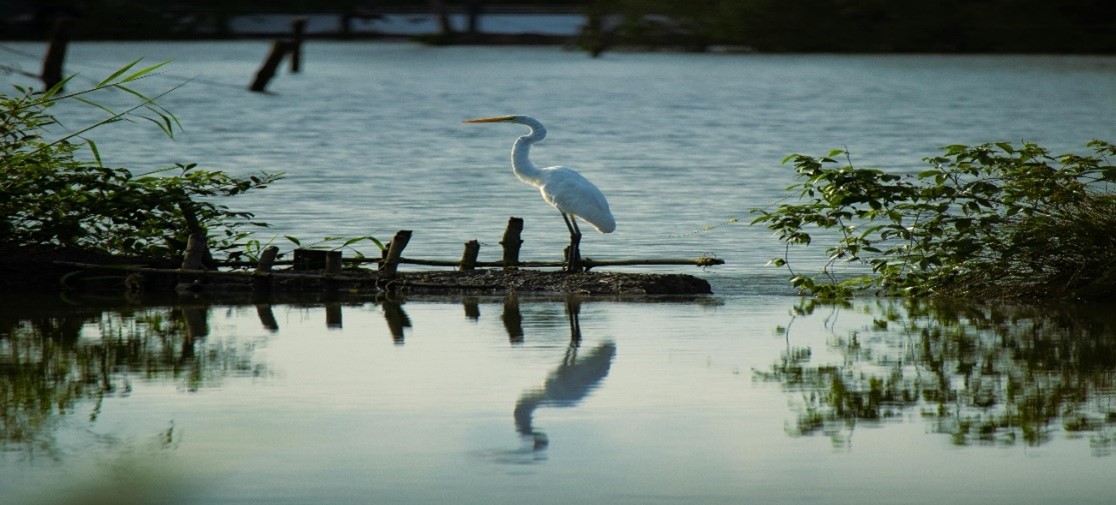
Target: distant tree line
x,y
1067,26
1026,26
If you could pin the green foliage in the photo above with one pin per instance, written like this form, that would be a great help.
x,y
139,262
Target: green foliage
x,y
51,198
991,220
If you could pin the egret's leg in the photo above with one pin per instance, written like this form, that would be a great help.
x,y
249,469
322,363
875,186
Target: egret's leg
x,y
568,225
573,254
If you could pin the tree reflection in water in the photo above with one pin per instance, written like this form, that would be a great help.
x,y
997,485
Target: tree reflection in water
x,y
982,374
52,362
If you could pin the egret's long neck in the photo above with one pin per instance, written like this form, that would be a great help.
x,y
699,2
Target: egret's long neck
x,y
521,151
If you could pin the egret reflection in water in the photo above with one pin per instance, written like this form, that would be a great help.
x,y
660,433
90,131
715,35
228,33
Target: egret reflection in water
x,y
574,379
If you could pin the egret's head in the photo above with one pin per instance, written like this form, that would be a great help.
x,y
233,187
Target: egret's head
x,y
537,129
497,119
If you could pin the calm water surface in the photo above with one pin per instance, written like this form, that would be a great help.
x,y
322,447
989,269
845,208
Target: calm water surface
x,y
750,395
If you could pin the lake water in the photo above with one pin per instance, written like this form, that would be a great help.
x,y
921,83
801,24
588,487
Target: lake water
x,y
749,395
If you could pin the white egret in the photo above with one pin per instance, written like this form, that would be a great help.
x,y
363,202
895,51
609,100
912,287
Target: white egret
x,y
562,187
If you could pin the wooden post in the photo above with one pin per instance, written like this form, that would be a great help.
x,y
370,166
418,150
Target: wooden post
x,y
594,36
512,242
298,29
56,53
390,263
278,49
196,248
317,259
267,259
333,262
469,257
261,283
474,12
441,10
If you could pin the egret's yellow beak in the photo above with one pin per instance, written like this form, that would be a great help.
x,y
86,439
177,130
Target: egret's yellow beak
x,y
496,119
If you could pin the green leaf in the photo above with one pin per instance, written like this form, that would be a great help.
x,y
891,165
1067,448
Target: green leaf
x,y
144,71
293,240
116,74
96,153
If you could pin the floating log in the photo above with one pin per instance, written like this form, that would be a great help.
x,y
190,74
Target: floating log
x,y
512,242
278,49
586,263
56,53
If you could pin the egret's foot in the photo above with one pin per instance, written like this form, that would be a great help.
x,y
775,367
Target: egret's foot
x,y
573,254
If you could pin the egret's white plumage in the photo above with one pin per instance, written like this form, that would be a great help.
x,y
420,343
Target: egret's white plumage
x,y
564,188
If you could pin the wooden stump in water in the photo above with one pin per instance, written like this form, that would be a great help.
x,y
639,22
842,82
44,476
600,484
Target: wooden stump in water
x,y
394,251
56,53
298,29
278,49
261,282
469,257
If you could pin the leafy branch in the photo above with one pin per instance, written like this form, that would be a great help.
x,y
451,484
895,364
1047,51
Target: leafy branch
x,y
989,220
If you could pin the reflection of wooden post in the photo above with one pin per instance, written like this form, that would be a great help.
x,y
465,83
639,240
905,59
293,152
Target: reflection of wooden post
x,y
512,242
267,317
56,53
197,321
513,319
469,257
298,28
278,49
333,315
397,320
472,309
390,263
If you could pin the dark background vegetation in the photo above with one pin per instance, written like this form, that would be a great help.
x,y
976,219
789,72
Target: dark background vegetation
x,y
1020,26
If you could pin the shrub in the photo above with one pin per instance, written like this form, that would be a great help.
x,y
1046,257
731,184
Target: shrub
x,y
993,220
50,198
